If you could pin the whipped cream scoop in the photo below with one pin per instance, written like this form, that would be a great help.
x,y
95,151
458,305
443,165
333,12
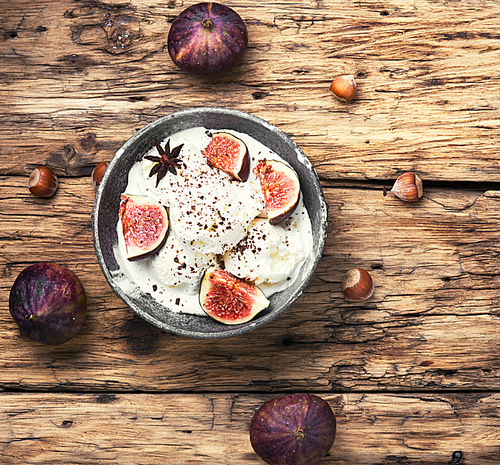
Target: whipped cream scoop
x,y
214,219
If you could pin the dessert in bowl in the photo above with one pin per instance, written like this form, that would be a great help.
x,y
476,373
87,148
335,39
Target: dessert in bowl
x,y
218,219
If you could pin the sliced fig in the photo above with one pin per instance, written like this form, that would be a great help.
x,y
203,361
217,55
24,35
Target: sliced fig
x,y
281,188
294,429
229,154
229,299
144,225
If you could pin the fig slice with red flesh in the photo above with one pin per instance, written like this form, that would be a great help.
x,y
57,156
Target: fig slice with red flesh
x,y
144,225
229,154
280,187
228,299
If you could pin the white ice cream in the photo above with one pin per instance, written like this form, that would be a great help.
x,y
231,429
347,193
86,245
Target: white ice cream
x,y
208,209
210,216
268,254
179,266
216,216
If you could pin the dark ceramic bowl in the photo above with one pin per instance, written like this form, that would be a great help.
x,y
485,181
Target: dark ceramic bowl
x,y
114,182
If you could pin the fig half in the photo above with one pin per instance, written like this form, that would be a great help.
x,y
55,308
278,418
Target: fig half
x,y
229,154
281,188
296,429
229,299
144,225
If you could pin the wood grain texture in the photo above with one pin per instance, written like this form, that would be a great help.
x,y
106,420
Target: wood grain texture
x,y
78,78
413,374
433,322
198,429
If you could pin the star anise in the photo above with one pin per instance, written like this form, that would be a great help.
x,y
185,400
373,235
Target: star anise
x,y
167,161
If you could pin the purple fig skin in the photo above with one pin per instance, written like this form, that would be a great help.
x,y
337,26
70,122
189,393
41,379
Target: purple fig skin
x,y
295,429
207,39
284,216
48,302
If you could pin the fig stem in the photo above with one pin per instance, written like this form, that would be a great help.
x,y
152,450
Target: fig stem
x,y
207,23
299,435
32,318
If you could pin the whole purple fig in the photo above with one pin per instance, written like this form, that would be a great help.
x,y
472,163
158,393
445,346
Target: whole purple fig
x,y
48,302
207,39
294,429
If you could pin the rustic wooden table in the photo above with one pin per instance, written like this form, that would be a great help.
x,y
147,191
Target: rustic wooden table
x,y
413,374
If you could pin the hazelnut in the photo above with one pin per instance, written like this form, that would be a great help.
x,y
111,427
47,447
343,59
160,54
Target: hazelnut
x,y
408,187
43,182
357,284
98,173
344,87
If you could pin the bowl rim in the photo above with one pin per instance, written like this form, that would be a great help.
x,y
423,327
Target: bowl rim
x,y
232,330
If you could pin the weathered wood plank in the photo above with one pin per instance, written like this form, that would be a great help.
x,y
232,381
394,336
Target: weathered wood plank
x,y
178,428
78,78
433,322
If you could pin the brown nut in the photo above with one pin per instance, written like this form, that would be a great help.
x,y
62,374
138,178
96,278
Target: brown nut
x,y
357,284
43,182
98,173
408,187
344,87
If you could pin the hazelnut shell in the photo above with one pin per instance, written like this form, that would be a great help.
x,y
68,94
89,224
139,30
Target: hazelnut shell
x,y
43,182
357,284
408,187
98,173
344,87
